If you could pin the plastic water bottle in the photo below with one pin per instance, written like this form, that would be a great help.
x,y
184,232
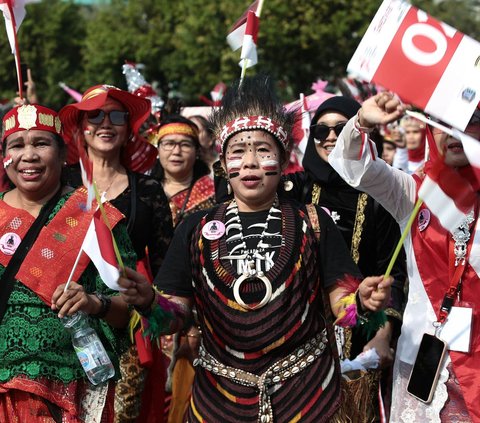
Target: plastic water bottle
x,y
90,350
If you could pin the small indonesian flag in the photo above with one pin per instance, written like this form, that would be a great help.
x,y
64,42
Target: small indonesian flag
x,y
98,245
13,23
447,194
249,48
426,62
235,36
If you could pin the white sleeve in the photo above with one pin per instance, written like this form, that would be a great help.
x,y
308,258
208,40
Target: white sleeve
x,y
400,159
394,189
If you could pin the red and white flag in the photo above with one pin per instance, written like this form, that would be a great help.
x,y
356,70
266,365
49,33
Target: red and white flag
x,y
448,195
248,57
237,31
471,147
13,22
98,245
426,62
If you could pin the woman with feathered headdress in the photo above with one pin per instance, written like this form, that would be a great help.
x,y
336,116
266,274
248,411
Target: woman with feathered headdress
x,y
256,269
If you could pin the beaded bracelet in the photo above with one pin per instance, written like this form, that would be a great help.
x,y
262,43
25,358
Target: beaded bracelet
x,y
106,303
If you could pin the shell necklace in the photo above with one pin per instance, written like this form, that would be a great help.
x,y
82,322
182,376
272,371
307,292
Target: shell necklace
x,y
250,271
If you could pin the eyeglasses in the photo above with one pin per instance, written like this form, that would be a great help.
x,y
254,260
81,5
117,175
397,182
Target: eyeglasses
x,y
169,145
321,131
116,117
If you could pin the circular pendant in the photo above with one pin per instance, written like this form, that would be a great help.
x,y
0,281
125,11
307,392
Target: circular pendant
x,y
238,283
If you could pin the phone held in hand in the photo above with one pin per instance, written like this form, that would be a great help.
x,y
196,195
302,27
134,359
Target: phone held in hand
x,y
426,369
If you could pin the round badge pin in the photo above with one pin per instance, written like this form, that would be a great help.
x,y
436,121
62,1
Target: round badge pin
x,y
9,243
423,219
213,230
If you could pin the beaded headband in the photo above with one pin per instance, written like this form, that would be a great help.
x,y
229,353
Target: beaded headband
x,y
251,123
177,128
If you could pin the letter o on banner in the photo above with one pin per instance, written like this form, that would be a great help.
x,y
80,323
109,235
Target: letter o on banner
x,y
419,56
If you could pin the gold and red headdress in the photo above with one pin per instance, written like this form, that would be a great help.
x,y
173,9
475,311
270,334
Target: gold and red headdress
x,y
31,116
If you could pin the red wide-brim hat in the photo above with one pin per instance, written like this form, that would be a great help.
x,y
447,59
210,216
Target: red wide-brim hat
x,y
140,155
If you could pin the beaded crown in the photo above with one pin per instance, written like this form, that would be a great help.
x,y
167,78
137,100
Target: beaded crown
x,y
251,104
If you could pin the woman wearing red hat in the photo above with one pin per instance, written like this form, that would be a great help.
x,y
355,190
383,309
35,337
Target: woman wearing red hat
x,y
106,122
41,378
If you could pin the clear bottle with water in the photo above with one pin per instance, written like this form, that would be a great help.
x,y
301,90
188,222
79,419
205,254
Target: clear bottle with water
x,y
90,350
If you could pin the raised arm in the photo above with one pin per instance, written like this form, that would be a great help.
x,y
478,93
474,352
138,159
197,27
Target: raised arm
x,y
358,164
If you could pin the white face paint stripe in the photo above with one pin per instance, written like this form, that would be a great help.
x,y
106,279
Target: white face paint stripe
x,y
269,162
234,164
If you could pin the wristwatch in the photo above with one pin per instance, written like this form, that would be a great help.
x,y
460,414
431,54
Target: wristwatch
x,y
106,303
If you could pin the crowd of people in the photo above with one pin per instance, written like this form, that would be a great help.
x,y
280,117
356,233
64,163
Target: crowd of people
x,y
246,293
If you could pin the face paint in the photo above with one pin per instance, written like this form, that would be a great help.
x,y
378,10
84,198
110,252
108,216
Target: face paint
x,y
7,161
234,164
270,166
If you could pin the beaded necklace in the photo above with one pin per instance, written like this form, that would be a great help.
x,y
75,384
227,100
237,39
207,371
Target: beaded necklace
x,y
250,271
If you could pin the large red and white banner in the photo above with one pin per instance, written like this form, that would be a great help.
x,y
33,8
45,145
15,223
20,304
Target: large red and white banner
x,y
426,62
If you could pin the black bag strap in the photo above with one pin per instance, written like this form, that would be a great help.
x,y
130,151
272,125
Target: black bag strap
x,y
8,277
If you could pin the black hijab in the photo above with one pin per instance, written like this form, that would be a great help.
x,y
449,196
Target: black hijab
x,y
317,169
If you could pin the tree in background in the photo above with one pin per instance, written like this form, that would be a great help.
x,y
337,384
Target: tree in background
x,y
182,43
50,39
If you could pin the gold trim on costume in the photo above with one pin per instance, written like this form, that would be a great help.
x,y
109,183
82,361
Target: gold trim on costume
x,y
358,227
316,193
394,313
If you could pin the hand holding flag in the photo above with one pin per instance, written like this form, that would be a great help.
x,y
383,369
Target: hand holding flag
x,y
100,245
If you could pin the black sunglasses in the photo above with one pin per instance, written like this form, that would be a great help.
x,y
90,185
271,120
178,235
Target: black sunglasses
x,y
321,131
117,117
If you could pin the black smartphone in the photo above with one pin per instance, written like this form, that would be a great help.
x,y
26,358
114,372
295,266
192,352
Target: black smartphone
x,y
24,68
426,369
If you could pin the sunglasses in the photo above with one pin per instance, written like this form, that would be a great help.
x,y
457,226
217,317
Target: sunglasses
x,y
116,117
321,131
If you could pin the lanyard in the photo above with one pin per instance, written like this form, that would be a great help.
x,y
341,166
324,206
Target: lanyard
x,y
456,282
